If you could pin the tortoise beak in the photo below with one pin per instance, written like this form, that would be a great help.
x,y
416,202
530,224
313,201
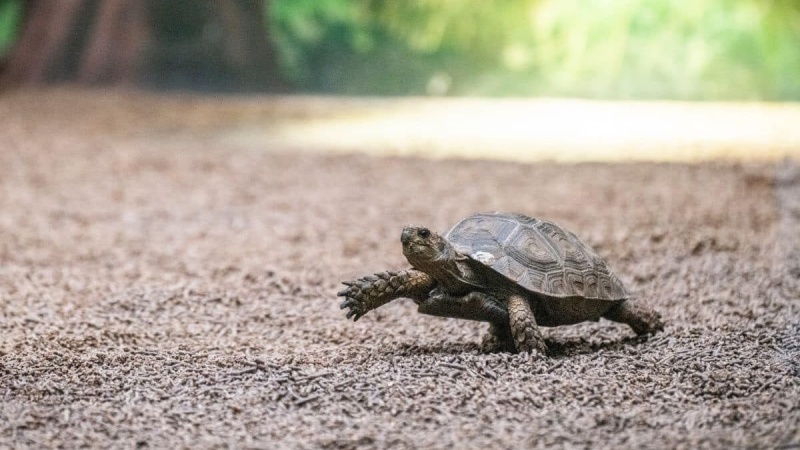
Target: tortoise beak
x,y
408,233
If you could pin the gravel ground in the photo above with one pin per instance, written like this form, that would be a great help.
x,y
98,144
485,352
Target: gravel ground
x,y
167,290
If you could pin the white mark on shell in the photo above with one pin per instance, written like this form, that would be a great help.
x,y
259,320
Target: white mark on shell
x,y
484,257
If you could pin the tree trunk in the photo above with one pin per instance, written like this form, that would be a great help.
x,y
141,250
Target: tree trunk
x,y
115,47
38,50
190,44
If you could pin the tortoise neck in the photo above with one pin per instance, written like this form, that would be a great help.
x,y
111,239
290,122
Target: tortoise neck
x,y
447,271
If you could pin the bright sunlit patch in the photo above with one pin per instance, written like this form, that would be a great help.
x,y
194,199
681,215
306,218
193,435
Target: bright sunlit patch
x,y
536,130
516,57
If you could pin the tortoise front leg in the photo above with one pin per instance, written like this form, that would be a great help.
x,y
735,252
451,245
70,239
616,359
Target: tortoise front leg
x,y
527,336
473,306
367,293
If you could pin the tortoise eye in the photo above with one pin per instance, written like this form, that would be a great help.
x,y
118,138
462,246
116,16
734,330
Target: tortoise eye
x,y
424,233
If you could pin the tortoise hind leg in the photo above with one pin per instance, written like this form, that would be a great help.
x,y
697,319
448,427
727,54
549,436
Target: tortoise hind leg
x,y
641,318
527,336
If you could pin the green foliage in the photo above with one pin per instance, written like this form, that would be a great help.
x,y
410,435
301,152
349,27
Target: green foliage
x,y
475,27
312,34
709,49
705,49
10,11
387,47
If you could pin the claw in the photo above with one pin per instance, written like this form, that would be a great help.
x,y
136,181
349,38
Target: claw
x,y
348,283
342,293
351,313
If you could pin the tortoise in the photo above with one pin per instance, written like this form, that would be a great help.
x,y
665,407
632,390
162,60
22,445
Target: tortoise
x,y
513,271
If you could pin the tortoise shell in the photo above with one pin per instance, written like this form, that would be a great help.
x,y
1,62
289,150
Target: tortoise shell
x,y
537,255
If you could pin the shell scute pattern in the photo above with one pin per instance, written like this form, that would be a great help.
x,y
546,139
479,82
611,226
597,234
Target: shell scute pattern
x,y
590,286
538,255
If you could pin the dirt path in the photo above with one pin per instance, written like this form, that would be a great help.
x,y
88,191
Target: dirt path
x,y
165,289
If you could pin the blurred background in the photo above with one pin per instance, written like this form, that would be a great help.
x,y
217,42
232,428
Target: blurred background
x,y
609,50
621,49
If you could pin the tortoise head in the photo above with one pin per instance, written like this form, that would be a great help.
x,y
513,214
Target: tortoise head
x,y
423,247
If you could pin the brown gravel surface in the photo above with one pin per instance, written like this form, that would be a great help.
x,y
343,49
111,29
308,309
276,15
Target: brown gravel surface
x,y
166,290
